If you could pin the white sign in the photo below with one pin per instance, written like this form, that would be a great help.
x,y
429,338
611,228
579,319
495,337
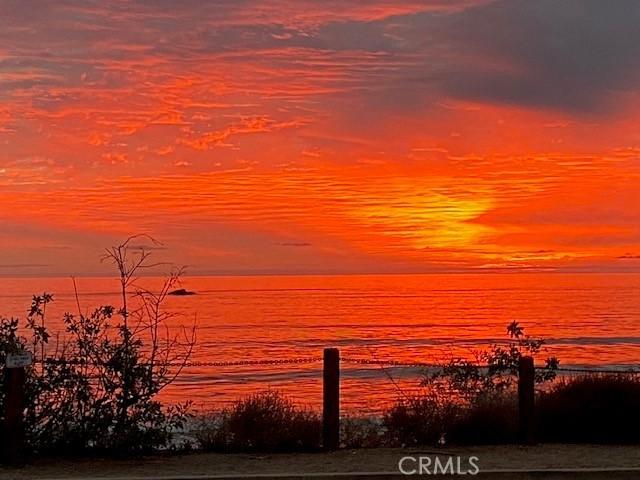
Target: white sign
x,y
19,360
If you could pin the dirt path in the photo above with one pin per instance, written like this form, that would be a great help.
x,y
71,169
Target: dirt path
x,y
502,462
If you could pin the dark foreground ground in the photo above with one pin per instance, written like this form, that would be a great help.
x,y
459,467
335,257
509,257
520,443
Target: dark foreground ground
x,y
508,462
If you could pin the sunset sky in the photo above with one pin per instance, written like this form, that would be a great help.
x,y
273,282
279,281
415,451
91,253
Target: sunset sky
x,y
334,136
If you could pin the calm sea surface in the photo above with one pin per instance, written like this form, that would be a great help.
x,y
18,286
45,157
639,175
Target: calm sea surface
x,y
588,319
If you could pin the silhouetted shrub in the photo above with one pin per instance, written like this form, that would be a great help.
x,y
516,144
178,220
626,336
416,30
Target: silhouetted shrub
x,y
489,419
427,420
211,431
591,409
361,432
420,420
263,422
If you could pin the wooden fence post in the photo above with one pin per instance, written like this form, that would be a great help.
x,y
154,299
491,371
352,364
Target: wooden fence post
x,y
13,428
331,399
526,400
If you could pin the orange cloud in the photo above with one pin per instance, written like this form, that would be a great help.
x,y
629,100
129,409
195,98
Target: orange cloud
x,y
383,135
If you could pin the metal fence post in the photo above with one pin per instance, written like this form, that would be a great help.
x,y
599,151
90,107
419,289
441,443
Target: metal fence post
x,y
526,400
331,399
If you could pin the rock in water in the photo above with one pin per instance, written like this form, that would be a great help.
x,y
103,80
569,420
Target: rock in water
x,y
181,292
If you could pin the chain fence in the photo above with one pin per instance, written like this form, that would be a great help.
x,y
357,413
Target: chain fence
x,y
634,369
368,384
178,364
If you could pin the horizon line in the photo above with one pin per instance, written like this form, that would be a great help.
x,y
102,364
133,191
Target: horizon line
x,y
493,271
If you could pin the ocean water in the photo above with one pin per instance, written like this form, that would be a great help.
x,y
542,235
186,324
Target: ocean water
x,y
587,319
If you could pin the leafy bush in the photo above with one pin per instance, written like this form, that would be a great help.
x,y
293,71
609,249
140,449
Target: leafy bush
x,y
263,422
469,401
495,370
95,389
591,409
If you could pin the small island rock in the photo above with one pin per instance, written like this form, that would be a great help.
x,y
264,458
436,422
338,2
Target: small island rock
x,y
181,292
